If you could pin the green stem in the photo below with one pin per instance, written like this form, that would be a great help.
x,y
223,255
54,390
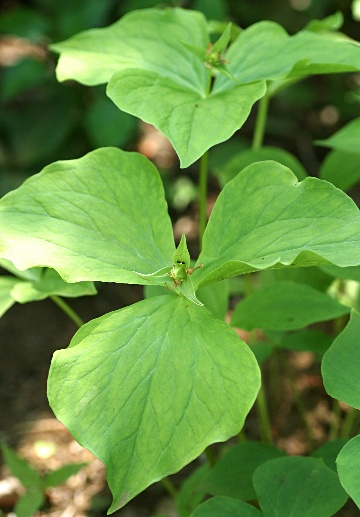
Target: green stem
x,y
335,420
260,123
265,429
203,176
67,310
210,456
242,436
349,422
169,487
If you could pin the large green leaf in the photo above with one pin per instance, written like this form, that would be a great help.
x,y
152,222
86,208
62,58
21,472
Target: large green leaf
x,y
348,465
298,486
264,218
157,78
182,113
266,51
341,364
149,39
154,62
101,217
285,306
148,387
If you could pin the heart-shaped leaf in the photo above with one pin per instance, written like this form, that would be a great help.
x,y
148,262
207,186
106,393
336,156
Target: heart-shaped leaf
x,y
148,387
155,75
182,113
264,218
101,217
157,65
266,51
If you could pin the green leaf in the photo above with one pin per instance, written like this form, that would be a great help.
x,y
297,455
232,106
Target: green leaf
x,y
158,77
29,503
333,22
348,465
341,168
226,507
50,283
108,126
101,217
214,10
344,273
232,474
248,156
346,139
191,492
150,39
264,218
59,476
181,112
7,284
285,306
21,469
266,51
341,364
329,452
311,340
215,297
298,486
32,274
148,387
313,276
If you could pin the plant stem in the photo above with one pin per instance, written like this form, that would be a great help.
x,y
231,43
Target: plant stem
x,y
349,421
261,404
169,487
203,176
335,420
67,310
260,123
210,456
242,436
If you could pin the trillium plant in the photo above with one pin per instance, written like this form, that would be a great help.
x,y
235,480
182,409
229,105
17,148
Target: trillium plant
x,y
149,387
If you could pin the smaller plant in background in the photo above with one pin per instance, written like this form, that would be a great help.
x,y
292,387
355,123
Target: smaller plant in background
x,y
35,484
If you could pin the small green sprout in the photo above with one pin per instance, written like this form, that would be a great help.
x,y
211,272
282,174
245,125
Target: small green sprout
x,y
181,262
